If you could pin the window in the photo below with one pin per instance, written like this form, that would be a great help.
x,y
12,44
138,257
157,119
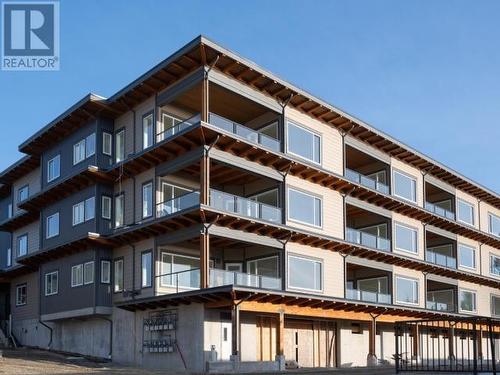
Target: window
x,y
303,143
78,152
119,210
304,208
495,305
9,257
182,266
107,144
467,300
405,186
106,207
118,275
406,238
77,275
494,224
406,290
267,267
147,131
465,212
21,294
105,271
168,126
494,265
120,146
88,273
22,245
466,256
146,269
23,193
89,208
90,145
53,168
304,273
78,213
51,283
9,210
147,200
52,225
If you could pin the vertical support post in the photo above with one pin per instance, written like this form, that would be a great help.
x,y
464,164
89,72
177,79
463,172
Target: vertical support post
x,y
280,336
204,259
416,341
235,331
451,341
474,347
205,96
371,359
205,179
397,330
479,335
492,346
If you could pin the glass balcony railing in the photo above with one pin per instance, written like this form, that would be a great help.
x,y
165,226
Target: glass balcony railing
x,y
439,211
222,277
181,280
362,295
177,204
440,259
171,131
247,133
366,181
367,239
440,306
245,207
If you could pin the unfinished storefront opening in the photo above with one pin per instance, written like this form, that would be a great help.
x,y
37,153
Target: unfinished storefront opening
x,y
470,345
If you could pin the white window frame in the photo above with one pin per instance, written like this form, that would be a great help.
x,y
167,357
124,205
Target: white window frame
x,y
52,162
314,206
459,246
47,275
105,275
80,206
9,257
118,288
493,296
163,268
314,260
121,134
25,287
89,214
149,283
74,281
458,212
90,140
47,234
149,134
248,262
79,152
474,292
107,143
104,199
492,256
314,134
408,176
122,216
490,220
147,204
88,266
396,224
396,290
23,188
19,245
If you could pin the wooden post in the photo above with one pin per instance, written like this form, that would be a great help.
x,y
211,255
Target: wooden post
x,y
205,179
204,260
451,342
372,334
479,340
204,97
416,341
235,331
280,335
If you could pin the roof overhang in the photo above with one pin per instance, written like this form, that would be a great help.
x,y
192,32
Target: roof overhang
x,y
20,168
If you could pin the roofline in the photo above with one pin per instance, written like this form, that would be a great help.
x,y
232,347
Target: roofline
x,y
322,102
14,165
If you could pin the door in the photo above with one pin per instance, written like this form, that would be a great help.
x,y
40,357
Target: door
x,y
225,337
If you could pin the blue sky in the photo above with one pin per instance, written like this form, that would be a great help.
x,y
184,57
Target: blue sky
x,y
426,72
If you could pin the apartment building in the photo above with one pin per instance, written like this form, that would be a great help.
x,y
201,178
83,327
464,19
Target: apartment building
x,y
211,216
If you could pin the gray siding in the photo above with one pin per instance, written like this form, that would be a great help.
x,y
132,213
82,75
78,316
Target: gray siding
x,y
30,310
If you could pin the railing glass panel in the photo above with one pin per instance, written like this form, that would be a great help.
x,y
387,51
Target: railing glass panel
x,y
362,295
439,211
366,181
171,131
222,277
177,204
182,280
440,259
367,239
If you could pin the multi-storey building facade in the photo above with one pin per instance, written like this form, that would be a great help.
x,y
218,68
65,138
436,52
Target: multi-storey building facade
x,y
212,210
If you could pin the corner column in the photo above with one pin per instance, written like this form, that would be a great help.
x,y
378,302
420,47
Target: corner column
x,y
204,259
204,97
280,338
371,359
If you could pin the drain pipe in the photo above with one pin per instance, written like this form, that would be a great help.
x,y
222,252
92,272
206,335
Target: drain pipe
x,y
40,312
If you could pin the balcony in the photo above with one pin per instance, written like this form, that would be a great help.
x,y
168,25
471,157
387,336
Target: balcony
x,y
440,250
244,207
180,203
176,127
366,181
366,296
439,211
367,239
251,135
440,296
439,201
440,259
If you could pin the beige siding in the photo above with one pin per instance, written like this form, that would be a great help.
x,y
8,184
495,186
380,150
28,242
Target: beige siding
x,y
331,140
332,211
471,200
333,269
410,171
471,243
30,310
485,211
31,179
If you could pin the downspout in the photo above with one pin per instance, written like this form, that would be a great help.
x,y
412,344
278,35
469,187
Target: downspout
x,y
40,310
283,120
